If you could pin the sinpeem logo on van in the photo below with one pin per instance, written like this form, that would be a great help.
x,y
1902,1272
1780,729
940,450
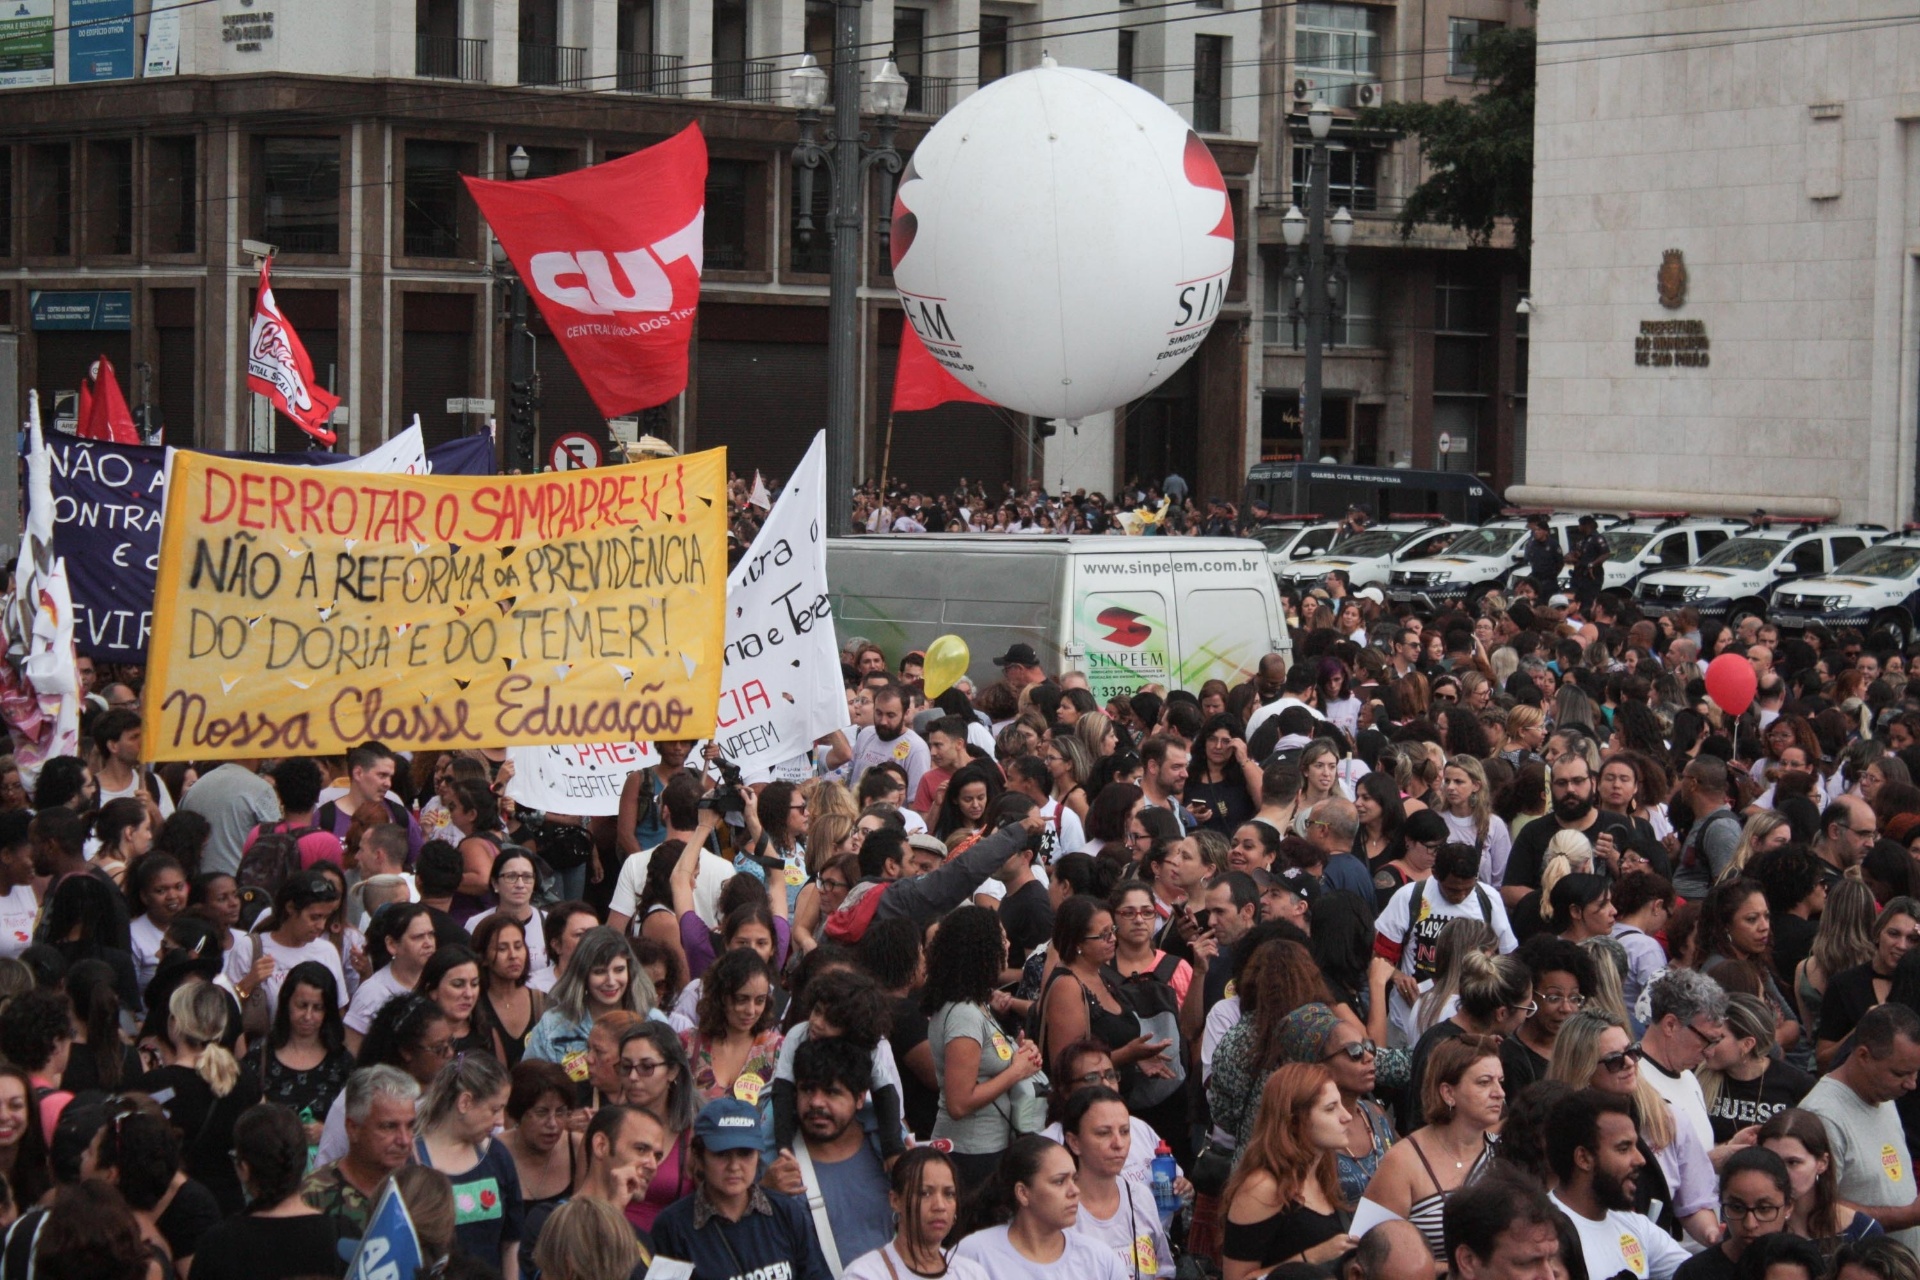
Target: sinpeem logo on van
x,y
1127,629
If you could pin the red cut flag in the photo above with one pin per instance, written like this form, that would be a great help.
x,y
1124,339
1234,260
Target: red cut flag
x,y
919,381
611,255
103,410
278,367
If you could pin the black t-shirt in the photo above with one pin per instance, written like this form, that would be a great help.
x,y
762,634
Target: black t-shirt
x,y
1745,1102
192,1215
205,1124
1027,916
250,1248
1530,846
920,1104
1522,1065
1792,941
1708,1264
1436,1035
1849,995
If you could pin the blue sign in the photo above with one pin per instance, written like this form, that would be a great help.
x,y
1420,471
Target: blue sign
x,y
391,1249
107,500
82,309
99,40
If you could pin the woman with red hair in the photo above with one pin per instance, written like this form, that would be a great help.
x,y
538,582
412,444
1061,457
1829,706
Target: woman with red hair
x,y
1283,1202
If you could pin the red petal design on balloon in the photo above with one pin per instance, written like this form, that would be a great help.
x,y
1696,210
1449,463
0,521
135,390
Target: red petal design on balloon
x,y
1204,173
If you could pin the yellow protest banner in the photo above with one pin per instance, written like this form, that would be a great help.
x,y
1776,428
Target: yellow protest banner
x,y
301,611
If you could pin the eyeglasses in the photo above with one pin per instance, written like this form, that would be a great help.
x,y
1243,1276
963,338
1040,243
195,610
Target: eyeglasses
x,y
1107,1077
1530,1008
1706,1040
1107,934
641,1069
1733,1211
1135,913
1619,1061
1560,1000
1138,837
516,877
834,886
1356,1051
444,1049
1870,833
1446,697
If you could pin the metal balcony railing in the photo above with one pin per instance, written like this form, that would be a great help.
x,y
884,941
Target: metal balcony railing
x,y
654,73
929,95
450,58
751,80
553,64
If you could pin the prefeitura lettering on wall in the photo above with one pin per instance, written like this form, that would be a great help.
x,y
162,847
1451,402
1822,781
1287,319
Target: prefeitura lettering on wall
x,y
306,611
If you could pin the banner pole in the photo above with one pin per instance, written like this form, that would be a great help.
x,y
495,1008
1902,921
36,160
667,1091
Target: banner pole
x,y
886,455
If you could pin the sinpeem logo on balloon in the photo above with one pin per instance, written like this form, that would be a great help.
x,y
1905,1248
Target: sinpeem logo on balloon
x,y
1062,242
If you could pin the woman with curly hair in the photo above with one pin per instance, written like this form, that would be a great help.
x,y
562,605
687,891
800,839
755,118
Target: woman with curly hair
x,y
984,1077
734,1037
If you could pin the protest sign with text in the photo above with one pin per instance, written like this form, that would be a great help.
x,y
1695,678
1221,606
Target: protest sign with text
x,y
301,611
782,687
583,779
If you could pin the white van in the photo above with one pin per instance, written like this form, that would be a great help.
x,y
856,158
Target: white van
x,y
1126,611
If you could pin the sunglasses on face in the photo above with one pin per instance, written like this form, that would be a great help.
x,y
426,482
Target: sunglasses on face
x,y
1619,1061
1356,1051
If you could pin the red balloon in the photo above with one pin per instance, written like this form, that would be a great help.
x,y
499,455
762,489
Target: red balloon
x,y
1731,683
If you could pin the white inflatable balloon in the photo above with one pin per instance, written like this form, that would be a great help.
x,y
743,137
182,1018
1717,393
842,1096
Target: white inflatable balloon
x,y
1062,241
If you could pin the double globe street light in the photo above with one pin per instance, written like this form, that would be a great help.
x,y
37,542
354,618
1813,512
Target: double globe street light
x,y
1315,292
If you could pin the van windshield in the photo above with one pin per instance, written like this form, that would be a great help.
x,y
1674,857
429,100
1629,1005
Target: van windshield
x,y
1743,553
1625,546
1374,542
1881,562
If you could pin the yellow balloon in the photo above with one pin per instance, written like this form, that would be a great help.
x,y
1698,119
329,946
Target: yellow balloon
x,y
947,660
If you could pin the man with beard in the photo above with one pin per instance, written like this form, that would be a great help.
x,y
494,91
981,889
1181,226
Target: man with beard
x,y
1573,810
1593,1149
833,1164
888,738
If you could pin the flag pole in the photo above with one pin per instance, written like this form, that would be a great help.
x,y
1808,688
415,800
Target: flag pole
x,y
886,455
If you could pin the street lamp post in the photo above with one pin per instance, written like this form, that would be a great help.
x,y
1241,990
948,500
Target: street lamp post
x,y
847,157
1316,290
523,381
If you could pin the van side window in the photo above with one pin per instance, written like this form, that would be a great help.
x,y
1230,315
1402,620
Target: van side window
x,y
1845,549
1805,558
1672,551
1316,540
1708,539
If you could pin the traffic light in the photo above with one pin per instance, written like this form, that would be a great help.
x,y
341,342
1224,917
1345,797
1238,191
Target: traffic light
x,y
520,403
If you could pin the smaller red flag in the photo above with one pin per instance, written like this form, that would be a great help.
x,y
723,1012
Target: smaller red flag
x,y
278,367
103,409
920,382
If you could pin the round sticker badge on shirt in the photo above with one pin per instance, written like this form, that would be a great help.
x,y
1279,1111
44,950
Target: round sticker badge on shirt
x,y
796,875
1145,1261
1890,1161
1634,1253
1231,991
1001,1049
902,749
575,1065
747,1088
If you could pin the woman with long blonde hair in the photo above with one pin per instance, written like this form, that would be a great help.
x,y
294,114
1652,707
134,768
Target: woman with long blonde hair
x,y
1466,802
1595,1050
204,1088
1764,832
1458,938
830,834
1844,939
1282,1203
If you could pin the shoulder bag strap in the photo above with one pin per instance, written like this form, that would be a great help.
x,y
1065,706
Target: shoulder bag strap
x,y
817,1203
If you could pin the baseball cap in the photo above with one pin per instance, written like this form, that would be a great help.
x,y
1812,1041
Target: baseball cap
x,y
1019,655
1374,594
728,1124
1559,601
1303,883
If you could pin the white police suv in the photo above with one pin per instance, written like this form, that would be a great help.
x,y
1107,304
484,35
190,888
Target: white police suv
x,y
1474,563
1877,590
1289,538
1650,541
1740,576
1368,556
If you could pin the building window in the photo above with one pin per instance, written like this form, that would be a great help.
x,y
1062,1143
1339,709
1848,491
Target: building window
x,y
173,191
299,208
110,196
910,54
818,36
1359,302
730,48
1353,178
633,27
1462,35
993,47
1337,48
1357,325
50,199
1124,63
1459,306
433,217
728,184
1209,83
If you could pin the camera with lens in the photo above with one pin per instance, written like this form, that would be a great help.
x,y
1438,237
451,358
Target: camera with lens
x,y
729,798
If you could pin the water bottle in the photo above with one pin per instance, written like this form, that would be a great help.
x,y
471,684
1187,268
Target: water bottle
x,y
1164,1172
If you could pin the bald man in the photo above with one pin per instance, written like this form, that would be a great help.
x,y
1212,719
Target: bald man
x,y
1392,1250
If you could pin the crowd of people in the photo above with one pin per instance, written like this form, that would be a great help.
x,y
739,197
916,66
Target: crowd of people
x,y
1484,945
1165,507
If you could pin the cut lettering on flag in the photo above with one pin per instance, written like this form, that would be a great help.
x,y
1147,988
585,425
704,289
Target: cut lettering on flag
x,y
612,255
759,497
918,380
278,367
103,410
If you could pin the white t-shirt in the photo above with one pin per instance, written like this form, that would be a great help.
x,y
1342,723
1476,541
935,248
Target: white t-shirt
x,y
708,881
1083,1258
1133,1235
146,937
240,962
380,987
1493,854
536,932
18,911
887,1264
1625,1242
161,797
1221,1019
1062,835
1260,714
1684,1099
1139,1165
1415,946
